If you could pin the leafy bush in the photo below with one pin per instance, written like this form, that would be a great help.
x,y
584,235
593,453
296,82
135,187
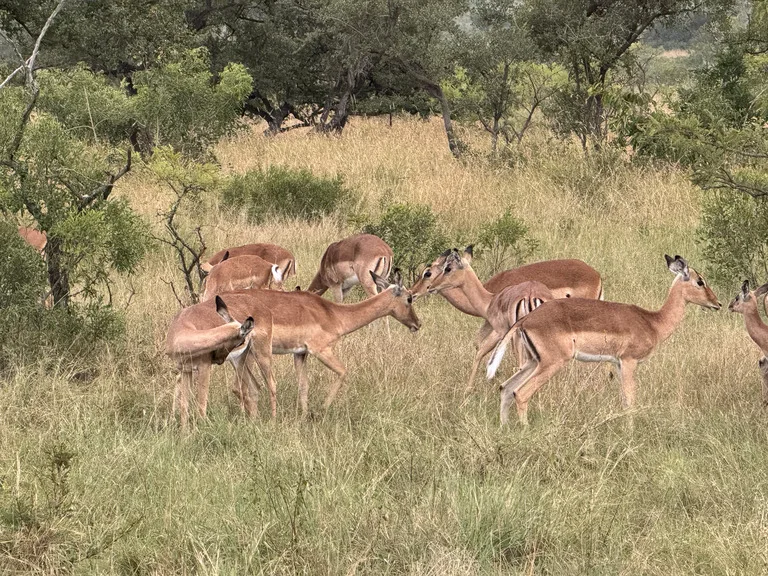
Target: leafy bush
x,y
413,233
734,235
285,192
22,270
505,242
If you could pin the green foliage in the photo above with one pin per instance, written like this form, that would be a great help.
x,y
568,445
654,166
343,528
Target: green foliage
x,y
413,232
734,238
22,270
285,192
505,243
180,105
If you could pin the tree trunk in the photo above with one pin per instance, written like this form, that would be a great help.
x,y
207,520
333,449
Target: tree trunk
x,y
453,143
58,278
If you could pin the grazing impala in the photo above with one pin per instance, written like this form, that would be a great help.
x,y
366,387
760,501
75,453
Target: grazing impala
x,y
746,303
565,278
452,276
241,273
348,262
269,252
199,336
596,331
35,238
303,323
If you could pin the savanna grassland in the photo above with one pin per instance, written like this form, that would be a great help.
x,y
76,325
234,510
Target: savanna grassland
x,y
402,475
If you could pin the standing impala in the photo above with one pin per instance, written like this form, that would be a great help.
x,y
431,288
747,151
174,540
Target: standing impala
x,y
500,310
199,336
241,273
349,262
303,323
269,252
565,278
745,303
452,276
596,331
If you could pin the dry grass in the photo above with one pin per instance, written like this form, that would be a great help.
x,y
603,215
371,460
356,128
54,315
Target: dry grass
x,y
399,477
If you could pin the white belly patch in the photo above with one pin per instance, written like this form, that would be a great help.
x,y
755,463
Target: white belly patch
x,y
584,357
297,350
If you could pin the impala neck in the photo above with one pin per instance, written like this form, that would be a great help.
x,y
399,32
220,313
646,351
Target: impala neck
x,y
475,294
354,316
667,318
755,326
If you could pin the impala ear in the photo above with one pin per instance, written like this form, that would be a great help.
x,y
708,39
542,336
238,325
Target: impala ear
x,y
761,290
678,265
225,257
221,310
277,273
381,283
397,277
246,326
469,252
745,290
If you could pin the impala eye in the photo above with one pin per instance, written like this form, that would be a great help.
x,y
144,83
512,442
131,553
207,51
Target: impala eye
x,y
427,273
447,269
410,299
700,281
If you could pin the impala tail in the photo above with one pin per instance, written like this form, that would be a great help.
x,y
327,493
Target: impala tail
x,y
498,353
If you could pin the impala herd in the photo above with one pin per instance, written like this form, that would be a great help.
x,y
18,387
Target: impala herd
x,y
552,312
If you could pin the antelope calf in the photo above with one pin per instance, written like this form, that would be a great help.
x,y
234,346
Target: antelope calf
x,y
596,331
745,303
270,252
199,336
451,275
349,262
241,273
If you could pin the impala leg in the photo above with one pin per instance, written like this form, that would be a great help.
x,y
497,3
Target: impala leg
x,y
483,349
328,358
627,375
300,364
763,365
184,384
509,386
247,387
261,352
203,374
530,381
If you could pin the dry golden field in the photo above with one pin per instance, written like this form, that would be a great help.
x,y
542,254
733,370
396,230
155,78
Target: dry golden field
x,y
400,476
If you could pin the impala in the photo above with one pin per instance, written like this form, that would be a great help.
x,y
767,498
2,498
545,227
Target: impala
x,y
565,279
452,276
199,336
596,331
241,273
269,252
348,262
745,303
35,238
303,323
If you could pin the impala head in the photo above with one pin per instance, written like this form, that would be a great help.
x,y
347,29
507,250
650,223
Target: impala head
x,y
747,299
240,345
454,272
430,274
402,306
695,288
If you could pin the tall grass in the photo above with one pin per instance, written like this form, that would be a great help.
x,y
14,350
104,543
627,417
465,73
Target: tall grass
x,y
400,476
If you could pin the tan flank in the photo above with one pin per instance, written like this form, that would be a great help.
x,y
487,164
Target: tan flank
x,y
745,303
596,331
348,262
242,273
35,238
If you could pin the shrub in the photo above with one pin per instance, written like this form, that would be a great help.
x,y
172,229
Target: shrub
x,y
413,233
734,235
505,242
280,191
22,270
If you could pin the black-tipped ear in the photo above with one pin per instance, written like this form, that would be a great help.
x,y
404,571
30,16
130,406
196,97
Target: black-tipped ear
x,y
745,288
669,260
225,257
397,277
221,310
446,253
246,326
678,265
470,250
381,283
761,290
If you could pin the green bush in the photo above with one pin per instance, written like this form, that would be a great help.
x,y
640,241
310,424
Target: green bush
x,y
734,236
280,191
413,233
505,242
22,270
